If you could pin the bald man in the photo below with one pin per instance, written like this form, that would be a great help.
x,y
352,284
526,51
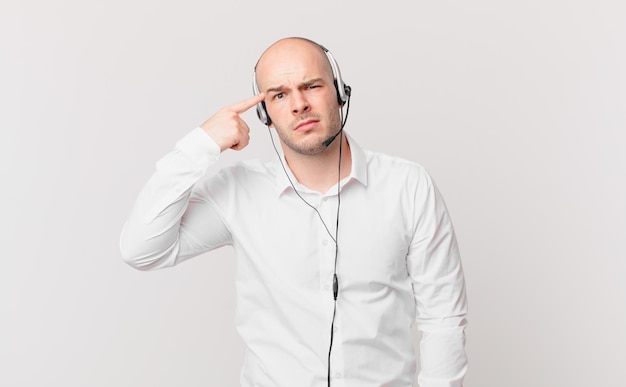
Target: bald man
x,y
340,250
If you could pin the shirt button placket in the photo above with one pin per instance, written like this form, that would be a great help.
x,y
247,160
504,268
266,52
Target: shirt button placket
x,y
326,257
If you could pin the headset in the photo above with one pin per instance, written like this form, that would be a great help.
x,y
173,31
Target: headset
x,y
343,90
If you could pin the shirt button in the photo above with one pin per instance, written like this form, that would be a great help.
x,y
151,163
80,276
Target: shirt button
x,y
327,287
325,242
337,375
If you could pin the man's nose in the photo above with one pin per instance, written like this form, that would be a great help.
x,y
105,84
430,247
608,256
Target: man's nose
x,y
299,103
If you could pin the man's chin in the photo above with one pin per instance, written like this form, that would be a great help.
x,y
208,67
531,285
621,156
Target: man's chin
x,y
308,146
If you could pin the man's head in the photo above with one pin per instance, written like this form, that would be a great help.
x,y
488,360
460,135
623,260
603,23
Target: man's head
x,y
300,95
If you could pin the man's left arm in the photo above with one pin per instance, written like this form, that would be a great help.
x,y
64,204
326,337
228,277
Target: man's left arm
x,y
434,265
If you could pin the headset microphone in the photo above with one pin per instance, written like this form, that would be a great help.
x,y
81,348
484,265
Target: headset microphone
x,y
348,91
331,139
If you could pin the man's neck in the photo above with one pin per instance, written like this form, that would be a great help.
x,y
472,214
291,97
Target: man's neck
x,y
319,172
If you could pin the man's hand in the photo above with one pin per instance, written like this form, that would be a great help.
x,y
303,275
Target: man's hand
x,y
227,128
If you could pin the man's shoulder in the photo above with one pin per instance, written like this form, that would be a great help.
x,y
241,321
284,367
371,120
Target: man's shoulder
x,y
241,172
384,162
251,167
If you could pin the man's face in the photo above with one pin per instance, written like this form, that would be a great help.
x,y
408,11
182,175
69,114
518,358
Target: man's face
x,y
300,95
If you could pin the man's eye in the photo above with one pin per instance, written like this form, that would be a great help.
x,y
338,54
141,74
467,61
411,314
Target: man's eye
x,y
279,96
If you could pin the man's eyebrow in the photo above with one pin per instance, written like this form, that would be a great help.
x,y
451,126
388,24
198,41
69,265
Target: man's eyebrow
x,y
308,82
311,81
275,89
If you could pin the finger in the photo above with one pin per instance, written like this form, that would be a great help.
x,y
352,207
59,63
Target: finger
x,y
242,126
243,140
247,103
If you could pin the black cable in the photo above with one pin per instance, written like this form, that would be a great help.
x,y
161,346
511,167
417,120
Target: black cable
x,y
296,191
343,120
343,123
335,280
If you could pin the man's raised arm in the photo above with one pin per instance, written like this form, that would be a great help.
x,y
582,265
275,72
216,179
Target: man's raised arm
x,y
153,237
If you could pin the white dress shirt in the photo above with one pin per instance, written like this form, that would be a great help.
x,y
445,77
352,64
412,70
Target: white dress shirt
x,y
398,263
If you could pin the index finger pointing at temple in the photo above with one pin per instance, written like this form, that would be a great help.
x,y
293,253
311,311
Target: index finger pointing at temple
x,y
247,103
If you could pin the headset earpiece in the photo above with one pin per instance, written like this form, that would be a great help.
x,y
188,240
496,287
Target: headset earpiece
x,y
261,110
347,92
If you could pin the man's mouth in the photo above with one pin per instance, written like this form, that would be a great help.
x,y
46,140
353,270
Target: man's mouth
x,y
306,125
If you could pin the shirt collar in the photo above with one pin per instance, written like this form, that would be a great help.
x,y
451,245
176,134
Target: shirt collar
x,y
358,172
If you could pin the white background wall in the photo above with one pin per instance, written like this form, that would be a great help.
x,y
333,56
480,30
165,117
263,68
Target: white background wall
x,y
516,108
